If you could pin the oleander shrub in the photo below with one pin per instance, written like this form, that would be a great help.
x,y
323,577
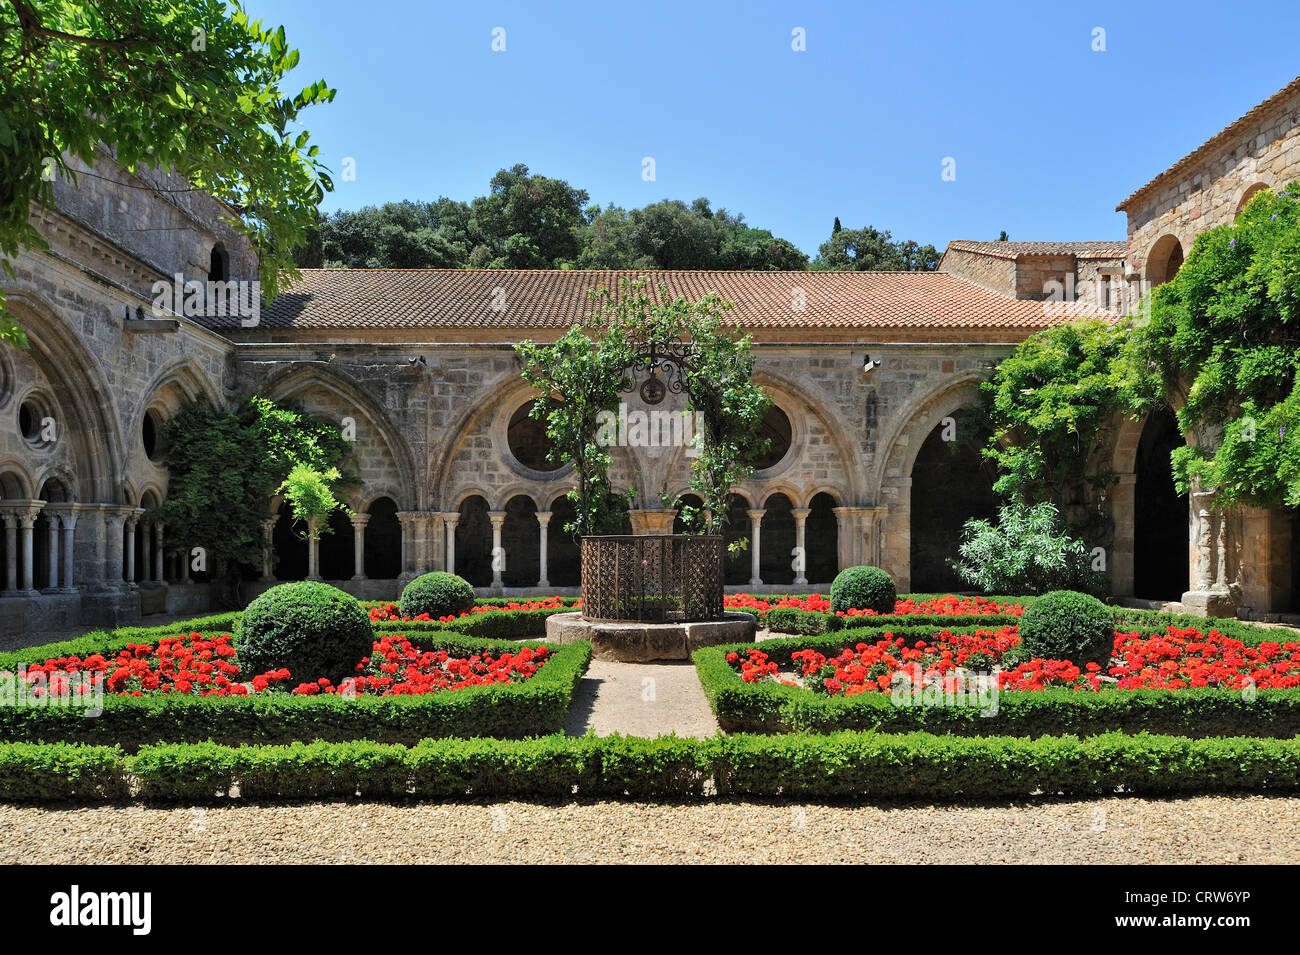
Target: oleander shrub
x,y
863,588
1068,625
312,629
438,594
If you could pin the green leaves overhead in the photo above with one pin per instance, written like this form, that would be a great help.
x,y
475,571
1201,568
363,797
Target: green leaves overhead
x,y
189,85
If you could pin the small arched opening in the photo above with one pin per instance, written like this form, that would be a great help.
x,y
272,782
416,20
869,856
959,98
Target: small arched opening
x,y
383,540
474,541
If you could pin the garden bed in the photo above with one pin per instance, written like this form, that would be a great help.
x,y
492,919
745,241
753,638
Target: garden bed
x,y
953,693
430,685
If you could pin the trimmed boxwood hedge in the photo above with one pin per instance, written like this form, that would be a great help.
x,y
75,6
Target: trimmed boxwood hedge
x,y
535,707
770,707
839,766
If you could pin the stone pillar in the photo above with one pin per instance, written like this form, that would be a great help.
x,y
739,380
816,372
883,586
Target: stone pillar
x,y
52,551
131,521
755,530
69,521
313,548
1123,509
449,521
894,547
411,553
800,519
1209,545
146,552
114,519
158,573
359,522
543,522
498,518
268,552
27,523
10,518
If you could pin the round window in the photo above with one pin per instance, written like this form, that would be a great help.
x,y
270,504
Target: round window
x,y
777,431
528,441
36,421
151,435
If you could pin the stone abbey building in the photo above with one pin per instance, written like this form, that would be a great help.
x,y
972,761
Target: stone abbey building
x,y
868,371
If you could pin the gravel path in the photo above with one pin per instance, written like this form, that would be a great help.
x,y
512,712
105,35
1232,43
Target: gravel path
x,y
1206,829
640,699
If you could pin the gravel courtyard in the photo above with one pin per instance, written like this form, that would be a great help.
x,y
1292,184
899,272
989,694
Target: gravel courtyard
x,y
1204,829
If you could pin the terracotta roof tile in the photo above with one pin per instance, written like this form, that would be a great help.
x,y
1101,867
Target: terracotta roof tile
x,y
1014,250
469,299
1216,140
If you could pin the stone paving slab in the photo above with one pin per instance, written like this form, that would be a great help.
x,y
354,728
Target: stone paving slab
x,y
640,699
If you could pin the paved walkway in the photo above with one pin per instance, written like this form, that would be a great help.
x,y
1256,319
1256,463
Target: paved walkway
x,y
640,699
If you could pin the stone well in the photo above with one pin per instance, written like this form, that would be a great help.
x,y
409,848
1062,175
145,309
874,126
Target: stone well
x,y
637,642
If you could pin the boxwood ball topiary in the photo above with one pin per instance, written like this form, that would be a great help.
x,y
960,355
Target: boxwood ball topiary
x,y
312,629
1068,625
438,594
863,588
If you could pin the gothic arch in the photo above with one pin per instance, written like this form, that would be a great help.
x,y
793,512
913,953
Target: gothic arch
x,y
92,430
303,377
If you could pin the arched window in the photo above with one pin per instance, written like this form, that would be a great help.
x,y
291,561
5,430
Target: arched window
x,y
219,264
1164,260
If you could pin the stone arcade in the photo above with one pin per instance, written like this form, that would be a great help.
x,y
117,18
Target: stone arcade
x,y
864,369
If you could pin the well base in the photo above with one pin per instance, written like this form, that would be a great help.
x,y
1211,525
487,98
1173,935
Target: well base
x,y
634,642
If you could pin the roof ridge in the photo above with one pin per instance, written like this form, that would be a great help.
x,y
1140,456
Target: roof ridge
x,y
1245,118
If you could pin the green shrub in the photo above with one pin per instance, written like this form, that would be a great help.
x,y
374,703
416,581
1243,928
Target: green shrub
x,y
794,620
1067,625
1028,551
438,594
833,766
863,588
309,627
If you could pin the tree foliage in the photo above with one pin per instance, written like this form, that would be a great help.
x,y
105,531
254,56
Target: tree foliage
x,y
224,467
1222,344
873,250
189,85
1048,404
579,376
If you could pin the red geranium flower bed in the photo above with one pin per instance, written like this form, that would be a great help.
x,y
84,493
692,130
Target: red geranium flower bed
x,y
948,606
390,611
1173,660
206,666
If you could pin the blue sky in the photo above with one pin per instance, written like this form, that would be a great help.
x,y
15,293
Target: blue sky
x,y
1047,135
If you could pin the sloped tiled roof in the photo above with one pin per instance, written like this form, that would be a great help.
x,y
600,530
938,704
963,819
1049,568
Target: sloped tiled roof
x,y
534,299
1217,140
1014,250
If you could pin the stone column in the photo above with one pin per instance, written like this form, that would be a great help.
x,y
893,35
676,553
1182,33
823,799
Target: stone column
x,y
114,519
1123,510
158,573
268,552
800,519
52,550
146,552
755,530
359,522
131,521
313,548
69,521
543,521
410,521
10,518
27,523
498,518
449,520
1209,544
